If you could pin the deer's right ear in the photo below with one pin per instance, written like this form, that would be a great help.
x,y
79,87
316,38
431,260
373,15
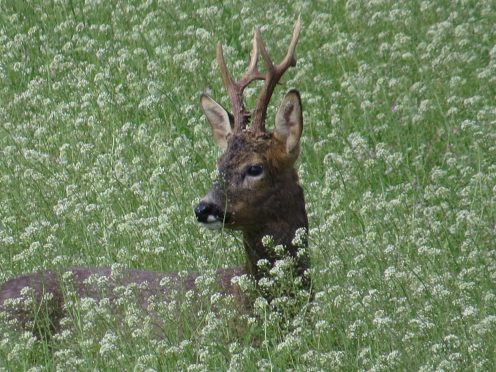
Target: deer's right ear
x,y
289,122
219,120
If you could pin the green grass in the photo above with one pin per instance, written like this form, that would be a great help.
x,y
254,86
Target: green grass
x,y
104,151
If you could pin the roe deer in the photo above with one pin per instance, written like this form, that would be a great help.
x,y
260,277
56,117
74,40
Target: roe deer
x,y
257,192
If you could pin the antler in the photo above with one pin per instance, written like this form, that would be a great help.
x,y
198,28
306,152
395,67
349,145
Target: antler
x,y
235,89
271,77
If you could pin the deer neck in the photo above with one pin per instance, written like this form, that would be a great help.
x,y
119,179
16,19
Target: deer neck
x,y
281,227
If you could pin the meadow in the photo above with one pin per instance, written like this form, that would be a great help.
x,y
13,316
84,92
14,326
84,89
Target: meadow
x,y
104,151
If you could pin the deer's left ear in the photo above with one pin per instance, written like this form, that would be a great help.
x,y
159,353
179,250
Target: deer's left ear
x,y
289,122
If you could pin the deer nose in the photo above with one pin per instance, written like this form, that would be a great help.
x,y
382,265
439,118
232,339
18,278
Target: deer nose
x,y
202,211
211,214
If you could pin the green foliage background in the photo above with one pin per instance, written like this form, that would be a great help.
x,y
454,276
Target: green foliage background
x,y
104,151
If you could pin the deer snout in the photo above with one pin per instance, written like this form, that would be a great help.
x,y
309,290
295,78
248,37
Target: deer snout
x,y
210,215
202,211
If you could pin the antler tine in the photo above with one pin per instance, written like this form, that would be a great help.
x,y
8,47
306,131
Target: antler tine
x,y
265,55
273,75
235,89
232,91
290,60
252,72
226,77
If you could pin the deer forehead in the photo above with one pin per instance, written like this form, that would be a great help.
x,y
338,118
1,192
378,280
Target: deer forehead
x,y
247,148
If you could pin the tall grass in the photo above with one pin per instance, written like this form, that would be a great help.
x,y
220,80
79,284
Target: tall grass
x,y
103,152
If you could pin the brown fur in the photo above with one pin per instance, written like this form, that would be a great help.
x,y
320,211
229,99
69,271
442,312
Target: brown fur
x,y
42,314
273,206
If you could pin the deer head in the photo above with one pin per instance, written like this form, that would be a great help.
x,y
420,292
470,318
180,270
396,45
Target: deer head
x,y
257,188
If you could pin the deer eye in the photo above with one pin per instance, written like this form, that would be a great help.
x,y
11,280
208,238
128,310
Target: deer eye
x,y
254,170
